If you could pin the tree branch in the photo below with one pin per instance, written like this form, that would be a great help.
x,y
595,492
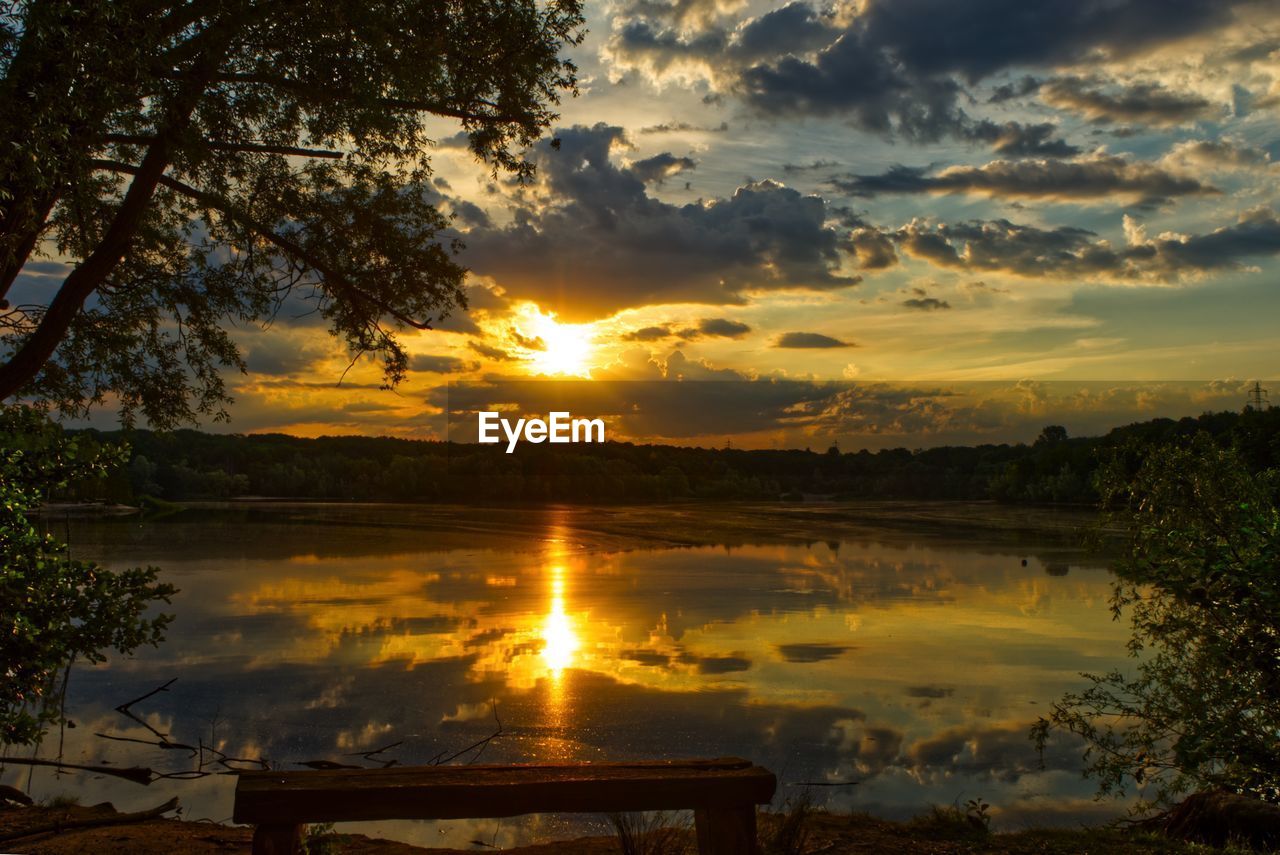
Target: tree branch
x,y
26,363
217,145
308,90
290,247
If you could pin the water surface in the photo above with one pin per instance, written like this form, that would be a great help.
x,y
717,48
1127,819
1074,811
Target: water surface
x,y
832,644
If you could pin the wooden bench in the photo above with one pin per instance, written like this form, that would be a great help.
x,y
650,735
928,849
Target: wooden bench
x,y
722,793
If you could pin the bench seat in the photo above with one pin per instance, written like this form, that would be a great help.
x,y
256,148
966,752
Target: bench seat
x,y
722,793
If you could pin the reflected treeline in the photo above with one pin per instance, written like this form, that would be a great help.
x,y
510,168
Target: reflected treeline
x,y
1055,468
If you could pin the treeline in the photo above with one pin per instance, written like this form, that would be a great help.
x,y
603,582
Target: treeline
x,y
1056,468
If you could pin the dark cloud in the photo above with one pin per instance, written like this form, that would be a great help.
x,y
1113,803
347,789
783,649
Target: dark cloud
x,y
723,328
999,750
794,29
469,213
1098,176
873,249
849,79
1021,88
1066,252
807,653
979,38
809,340
527,342
693,401
602,243
927,304
933,692
1220,153
490,352
1013,139
440,364
900,66
705,328
648,334
1142,103
809,167
650,658
660,167
282,354
457,322
723,664
676,127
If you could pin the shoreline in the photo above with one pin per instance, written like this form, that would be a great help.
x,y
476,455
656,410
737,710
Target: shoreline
x,y
938,831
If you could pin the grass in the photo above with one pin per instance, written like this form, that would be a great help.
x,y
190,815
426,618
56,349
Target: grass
x,y
653,833
321,839
788,832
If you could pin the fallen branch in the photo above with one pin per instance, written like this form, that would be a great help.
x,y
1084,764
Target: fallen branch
x,y
92,822
137,774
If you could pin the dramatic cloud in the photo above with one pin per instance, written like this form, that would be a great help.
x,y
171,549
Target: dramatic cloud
x,y
1142,103
440,364
705,328
1014,140
1064,252
899,67
284,354
660,167
808,653
722,327
924,302
489,352
648,334
1098,176
800,340
600,243
1224,153
816,165
685,127
873,249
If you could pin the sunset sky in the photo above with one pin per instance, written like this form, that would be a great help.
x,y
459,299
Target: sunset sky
x,y
908,191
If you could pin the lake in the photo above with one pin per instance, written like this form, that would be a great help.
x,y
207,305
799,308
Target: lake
x,y
905,647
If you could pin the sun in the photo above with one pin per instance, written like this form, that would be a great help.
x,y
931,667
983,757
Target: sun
x,y
566,349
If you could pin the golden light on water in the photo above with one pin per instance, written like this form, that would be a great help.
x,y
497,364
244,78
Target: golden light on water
x,y
560,639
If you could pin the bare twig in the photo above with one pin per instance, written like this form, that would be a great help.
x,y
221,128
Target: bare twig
x,y
137,774
92,822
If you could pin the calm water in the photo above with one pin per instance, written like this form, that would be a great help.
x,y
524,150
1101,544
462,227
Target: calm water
x,y
908,658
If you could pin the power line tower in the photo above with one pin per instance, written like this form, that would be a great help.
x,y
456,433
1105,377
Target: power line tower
x,y
1257,398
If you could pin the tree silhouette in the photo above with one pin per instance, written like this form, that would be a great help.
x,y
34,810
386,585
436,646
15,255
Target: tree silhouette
x,y
197,162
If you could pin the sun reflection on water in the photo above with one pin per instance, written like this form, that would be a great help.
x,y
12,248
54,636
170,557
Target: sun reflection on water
x,y
560,639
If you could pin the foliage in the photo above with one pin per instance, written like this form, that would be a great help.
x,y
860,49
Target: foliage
x,y
978,813
201,165
55,609
951,822
1199,582
190,465
321,839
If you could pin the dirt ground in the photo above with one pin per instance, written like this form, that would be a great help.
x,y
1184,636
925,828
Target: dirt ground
x,y
51,831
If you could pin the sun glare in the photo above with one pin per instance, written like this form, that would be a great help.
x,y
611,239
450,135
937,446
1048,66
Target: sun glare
x,y
566,348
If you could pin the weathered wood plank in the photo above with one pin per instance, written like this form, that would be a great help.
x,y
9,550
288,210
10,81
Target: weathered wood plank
x,y
277,840
457,792
726,831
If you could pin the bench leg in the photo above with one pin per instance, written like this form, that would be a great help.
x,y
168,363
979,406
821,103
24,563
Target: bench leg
x,y
726,831
277,840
